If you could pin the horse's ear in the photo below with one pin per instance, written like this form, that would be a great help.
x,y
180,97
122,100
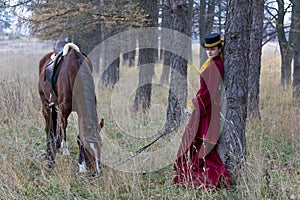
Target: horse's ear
x,y
101,123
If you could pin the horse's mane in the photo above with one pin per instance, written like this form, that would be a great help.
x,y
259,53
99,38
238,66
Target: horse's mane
x,y
89,62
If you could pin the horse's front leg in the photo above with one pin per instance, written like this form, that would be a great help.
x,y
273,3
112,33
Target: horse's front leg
x,y
81,158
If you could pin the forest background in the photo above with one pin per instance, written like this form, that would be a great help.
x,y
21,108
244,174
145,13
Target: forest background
x,y
266,165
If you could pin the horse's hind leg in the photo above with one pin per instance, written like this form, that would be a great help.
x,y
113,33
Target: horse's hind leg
x,y
61,128
64,144
50,117
62,139
50,149
65,147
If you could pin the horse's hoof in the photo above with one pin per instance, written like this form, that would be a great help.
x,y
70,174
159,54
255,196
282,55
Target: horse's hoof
x,y
66,152
95,175
82,168
65,148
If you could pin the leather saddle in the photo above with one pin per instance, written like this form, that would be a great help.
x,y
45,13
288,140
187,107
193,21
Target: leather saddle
x,y
55,57
52,71
53,67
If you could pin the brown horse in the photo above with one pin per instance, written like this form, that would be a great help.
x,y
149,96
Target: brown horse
x,y
71,89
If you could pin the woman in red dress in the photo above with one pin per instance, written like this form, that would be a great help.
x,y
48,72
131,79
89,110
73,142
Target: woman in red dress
x,y
198,162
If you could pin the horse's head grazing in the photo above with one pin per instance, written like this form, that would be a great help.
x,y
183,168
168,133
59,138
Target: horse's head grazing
x,y
92,162
84,103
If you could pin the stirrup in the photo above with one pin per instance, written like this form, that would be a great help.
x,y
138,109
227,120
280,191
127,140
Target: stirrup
x,y
50,99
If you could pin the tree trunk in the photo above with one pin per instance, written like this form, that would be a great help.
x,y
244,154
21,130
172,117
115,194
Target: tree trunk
x,y
110,76
190,12
142,101
147,60
98,38
206,22
166,55
178,84
232,143
285,49
255,58
220,15
165,75
129,57
296,46
109,62
111,65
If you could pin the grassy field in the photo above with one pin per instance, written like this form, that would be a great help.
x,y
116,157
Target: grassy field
x,y
272,169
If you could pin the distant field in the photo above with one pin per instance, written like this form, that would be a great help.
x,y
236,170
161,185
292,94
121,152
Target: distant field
x,y
27,46
22,56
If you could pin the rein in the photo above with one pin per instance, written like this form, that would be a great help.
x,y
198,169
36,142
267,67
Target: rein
x,y
140,150
160,135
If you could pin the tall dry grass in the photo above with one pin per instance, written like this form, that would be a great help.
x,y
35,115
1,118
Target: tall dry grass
x,y
271,171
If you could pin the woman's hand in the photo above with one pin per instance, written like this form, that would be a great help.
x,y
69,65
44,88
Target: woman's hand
x,y
188,112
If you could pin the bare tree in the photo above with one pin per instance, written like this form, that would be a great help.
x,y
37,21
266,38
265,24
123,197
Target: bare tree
x,y
110,75
276,13
255,58
178,84
296,46
167,23
5,16
166,55
220,15
129,57
146,63
284,45
206,22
